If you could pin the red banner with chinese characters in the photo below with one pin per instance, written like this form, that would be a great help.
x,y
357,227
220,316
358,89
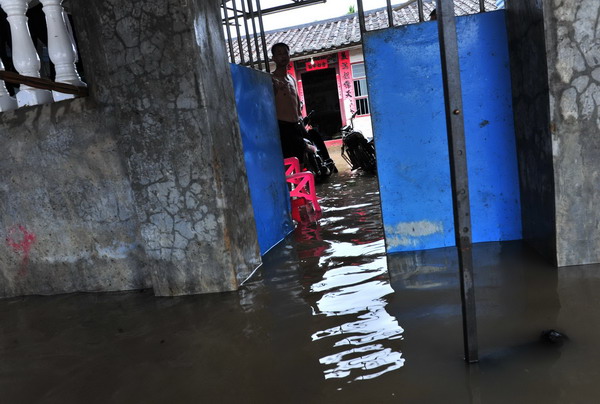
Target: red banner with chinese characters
x,y
346,84
317,64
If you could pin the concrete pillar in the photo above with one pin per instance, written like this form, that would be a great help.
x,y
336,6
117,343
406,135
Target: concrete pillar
x,y
573,49
555,63
163,65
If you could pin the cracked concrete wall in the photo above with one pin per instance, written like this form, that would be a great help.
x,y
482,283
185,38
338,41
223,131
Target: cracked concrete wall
x,y
154,164
555,63
525,25
573,48
66,205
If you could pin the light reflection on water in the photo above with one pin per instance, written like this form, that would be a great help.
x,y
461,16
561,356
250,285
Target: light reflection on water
x,y
350,283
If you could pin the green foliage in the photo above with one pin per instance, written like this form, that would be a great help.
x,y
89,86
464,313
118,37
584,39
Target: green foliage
x,y
351,10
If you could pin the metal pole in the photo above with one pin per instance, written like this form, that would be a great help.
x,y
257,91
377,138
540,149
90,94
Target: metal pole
x,y
251,11
262,37
361,17
420,8
229,42
481,6
390,13
458,171
238,32
248,41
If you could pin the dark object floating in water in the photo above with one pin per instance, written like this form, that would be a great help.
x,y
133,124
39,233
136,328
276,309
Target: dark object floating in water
x,y
553,337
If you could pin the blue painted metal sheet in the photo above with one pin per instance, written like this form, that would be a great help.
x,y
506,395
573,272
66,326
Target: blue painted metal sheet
x,y
406,96
262,152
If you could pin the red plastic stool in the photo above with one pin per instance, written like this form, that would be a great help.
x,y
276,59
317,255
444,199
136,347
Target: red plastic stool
x,y
292,165
297,203
303,186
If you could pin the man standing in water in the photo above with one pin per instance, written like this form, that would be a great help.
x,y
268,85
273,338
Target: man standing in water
x,y
287,104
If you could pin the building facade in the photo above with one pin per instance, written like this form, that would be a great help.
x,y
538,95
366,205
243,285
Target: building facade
x,y
328,64
334,85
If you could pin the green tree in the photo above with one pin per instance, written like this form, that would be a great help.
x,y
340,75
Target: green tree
x,y
351,10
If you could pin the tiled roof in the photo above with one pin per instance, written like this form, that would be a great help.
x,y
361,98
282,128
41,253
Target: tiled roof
x,y
343,32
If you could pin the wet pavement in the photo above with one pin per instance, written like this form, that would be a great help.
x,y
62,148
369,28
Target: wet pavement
x,y
327,319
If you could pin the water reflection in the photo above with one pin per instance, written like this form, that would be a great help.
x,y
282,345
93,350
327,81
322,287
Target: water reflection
x,y
346,280
317,317
362,307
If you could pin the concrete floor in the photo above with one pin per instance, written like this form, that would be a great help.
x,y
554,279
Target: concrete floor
x,y
328,319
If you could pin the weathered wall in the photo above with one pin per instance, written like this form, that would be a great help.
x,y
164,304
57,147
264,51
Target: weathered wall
x,y
525,27
66,204
573,49
555,63
142,183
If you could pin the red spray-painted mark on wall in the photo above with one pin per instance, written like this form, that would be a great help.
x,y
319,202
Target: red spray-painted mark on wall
x,y
20,240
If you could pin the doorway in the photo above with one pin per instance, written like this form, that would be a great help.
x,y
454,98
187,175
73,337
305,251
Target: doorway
x,y
321,95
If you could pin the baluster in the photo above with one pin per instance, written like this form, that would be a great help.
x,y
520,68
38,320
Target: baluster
x,y
25,58
7,103
60,47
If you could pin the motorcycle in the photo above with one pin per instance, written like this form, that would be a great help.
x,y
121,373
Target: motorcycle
x,y
358,152
317,157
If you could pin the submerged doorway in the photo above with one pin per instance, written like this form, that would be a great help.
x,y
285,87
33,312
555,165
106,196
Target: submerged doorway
x,y
321,95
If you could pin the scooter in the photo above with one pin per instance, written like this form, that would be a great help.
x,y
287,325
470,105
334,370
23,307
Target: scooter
x,y
317,157
358,152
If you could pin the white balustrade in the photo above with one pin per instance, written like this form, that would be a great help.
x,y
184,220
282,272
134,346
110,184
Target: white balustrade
x,y
7,103
25,58
61,47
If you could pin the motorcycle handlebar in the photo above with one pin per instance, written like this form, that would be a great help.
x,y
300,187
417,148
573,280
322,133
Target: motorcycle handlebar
x,y
306,119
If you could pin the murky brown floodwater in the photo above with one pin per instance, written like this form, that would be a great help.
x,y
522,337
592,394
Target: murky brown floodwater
x,y
322,322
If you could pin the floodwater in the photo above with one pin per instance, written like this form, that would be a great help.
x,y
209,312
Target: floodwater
x,y
327,319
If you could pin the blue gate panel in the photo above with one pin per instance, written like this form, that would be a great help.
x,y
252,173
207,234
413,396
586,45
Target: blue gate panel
x,y
262,153
407,100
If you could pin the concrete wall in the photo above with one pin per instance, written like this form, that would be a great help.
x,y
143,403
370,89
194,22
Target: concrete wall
x,y
142,184
407,100
555,61
262,152
66,203
573,49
